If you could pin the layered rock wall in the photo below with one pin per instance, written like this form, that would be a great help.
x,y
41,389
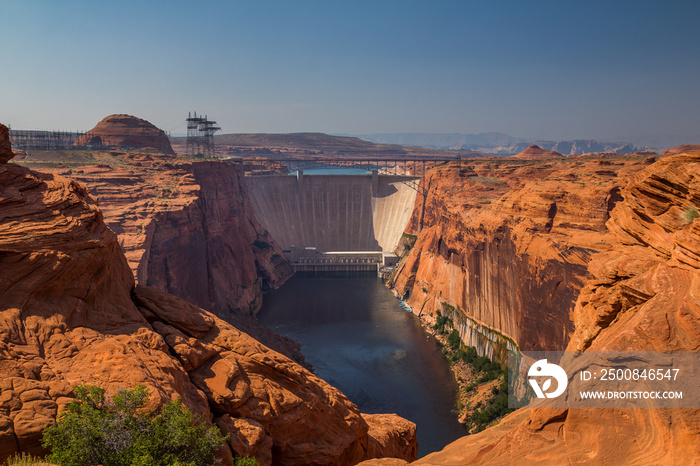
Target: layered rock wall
x,y
502,247
642,294
188,229
5,148
213,252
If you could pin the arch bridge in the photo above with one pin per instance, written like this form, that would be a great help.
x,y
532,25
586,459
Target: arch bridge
x,y
416,166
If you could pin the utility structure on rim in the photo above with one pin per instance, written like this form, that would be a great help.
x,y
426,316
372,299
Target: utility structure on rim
x,y
43,140
200,135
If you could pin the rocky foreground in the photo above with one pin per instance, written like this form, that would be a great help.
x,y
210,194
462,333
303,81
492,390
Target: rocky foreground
x,y
589,255
70,314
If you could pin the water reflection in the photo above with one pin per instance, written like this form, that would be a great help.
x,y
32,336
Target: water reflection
x,y
361,341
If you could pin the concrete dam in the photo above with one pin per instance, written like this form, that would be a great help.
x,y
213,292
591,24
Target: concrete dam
x,y
334,222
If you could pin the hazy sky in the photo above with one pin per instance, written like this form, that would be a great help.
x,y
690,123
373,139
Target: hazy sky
x,y
611,70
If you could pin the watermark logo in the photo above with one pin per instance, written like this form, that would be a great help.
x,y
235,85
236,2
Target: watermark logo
x,y
604,379
544,369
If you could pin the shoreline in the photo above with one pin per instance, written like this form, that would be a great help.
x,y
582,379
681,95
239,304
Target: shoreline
x,y
472,393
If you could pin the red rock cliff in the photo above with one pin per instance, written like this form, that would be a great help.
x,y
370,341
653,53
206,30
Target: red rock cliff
x,y
213,252
70,314
127,132
188,229
642,294
502,246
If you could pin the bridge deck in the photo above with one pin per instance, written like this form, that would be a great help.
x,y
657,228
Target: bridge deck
x,y
406,166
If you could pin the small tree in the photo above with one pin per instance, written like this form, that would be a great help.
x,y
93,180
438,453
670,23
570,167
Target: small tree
x,y
116,432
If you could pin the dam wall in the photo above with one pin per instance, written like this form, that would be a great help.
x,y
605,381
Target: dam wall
x,y
325,213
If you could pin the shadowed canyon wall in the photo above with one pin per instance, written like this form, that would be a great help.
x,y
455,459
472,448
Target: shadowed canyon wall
x,y
187,228
213,252
333,212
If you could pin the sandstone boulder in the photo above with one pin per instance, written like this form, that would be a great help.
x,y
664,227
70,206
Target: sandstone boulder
x,y
391,436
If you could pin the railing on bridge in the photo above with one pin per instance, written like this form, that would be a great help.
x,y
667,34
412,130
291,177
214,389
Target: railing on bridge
x,y
409,167
311,260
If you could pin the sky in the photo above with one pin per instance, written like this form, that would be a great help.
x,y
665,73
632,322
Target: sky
x,y
610,70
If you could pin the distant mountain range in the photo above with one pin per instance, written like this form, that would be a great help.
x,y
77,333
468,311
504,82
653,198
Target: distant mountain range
x,y
500,143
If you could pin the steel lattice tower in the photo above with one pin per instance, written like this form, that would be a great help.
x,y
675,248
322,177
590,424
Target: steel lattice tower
x,y
200,135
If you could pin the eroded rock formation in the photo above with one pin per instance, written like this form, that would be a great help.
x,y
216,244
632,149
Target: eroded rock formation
x,y
70,314
683,149
126,132
188,229
502,247
642,294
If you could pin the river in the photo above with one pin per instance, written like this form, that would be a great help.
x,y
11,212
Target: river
x,y
360,340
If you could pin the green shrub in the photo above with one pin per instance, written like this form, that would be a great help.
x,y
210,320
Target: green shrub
x,y
495,408
442,324
116,432
454,341
480,362
469,355
245,461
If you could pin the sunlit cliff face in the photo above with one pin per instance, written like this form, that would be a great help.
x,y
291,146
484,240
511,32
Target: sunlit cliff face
x,y
631,224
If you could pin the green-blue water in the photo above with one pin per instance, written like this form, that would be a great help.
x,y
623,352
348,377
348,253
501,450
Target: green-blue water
x,y
361,341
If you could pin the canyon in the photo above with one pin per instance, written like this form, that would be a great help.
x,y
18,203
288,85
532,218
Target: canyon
x,y
615,265
502,247
585,253
72,314
186,228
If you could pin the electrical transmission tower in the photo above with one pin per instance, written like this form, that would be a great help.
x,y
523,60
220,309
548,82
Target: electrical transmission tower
x,y
200,135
